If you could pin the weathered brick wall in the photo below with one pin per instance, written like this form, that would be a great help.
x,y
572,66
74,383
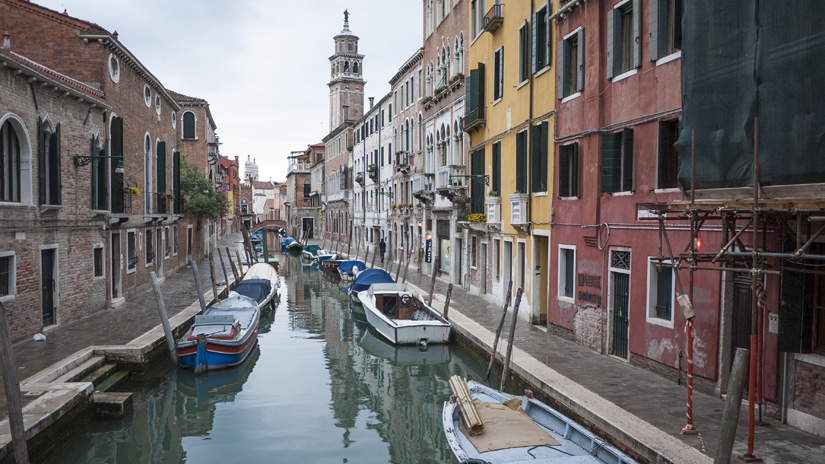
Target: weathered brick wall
x,y
809,390
587,326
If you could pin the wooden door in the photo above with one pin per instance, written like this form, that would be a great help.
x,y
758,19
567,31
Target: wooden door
x,y
621,299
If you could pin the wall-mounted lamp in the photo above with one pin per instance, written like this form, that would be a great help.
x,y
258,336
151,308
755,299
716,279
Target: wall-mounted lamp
x,y
83,160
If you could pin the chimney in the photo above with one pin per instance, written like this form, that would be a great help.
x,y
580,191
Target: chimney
x,y
372,102
6,41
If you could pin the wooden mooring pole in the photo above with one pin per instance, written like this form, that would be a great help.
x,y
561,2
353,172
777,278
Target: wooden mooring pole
x,y
198,285
164,319
506,371
407,266
498,330
232,265
374,254
447,300
223,266
240,263
18,430
733,403
212,275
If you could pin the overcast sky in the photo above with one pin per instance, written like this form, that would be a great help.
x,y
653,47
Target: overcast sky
x,y
262,64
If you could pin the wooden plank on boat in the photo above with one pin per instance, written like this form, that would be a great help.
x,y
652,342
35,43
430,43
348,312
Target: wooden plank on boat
x,y
469,414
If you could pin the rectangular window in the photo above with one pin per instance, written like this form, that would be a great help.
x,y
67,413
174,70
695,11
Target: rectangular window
x,y
567,273
150,252
660,292
668,156
412,88
496,180
8,276
521,162
569,170
498,74
524,52
623,38
474,16
539,157
131,248
98,261
420,84
541,40
665,24
570,73
617,161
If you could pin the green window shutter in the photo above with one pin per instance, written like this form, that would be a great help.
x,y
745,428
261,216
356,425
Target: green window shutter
x,y
627,160
500,77
480,87
564,170
611,162
611,43
161,167
93,187
574,171
637,34
472,83
117,150
664,290
653,30
545,161
580,61
100,180
534,44
176,180
535,162
548,36
562,74
477,188
497,167
521,161
55,181
496,75
41,162
569,274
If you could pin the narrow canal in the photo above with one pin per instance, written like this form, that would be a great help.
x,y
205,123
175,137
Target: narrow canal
x,y
319,388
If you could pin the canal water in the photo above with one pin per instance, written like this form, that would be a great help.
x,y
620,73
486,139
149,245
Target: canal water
x,y
320,387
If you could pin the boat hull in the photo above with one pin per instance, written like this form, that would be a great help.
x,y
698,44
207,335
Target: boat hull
x,y
217,356
406,331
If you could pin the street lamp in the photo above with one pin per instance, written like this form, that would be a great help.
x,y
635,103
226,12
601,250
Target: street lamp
x,y
83,160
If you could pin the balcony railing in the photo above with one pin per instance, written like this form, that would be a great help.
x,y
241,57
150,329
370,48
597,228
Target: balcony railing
x,y
444,173
493,18
298,166
473,119
121,202
161,204
402,160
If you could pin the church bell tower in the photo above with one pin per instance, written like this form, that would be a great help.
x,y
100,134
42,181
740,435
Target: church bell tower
x,y
346,85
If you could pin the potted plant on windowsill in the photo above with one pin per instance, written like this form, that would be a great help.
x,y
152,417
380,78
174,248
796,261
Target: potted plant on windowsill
x,y
132,191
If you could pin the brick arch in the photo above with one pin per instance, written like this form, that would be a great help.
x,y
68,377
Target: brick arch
x,y
269,224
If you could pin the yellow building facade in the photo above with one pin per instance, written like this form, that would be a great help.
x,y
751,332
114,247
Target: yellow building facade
x,y
511,89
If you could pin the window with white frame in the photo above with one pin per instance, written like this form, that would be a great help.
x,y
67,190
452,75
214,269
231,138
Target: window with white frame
x,y
624,37
524,53
167,245
114,68
660,291
10,189
497,258
8,275
498,74
189,126
131,250
567,273
665,26
147,95
97,256
570,57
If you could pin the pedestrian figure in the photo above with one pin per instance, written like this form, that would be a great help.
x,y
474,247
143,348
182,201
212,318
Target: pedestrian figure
x,y
382,248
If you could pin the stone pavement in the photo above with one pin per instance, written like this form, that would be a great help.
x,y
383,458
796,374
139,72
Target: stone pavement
x,y
650,397
117,326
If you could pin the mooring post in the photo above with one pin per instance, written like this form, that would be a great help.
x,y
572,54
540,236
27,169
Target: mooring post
x,y
398,269
211,260
447,300
164,318
232,265
506,369
349,244
407,266
498,330
18,431
198,285
223,266
733,403
374,253
432,287
240,263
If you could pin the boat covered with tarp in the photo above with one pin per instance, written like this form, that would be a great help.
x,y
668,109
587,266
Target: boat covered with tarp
x,y
260,283
518,429
348,270
367,278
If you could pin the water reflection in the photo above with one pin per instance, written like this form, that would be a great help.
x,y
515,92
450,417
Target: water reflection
x,y
320,387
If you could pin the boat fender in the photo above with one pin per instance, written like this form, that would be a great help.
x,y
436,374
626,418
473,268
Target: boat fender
x,y
422,344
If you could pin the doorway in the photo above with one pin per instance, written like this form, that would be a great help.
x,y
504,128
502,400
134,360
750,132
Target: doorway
x,y
741,317
48,284
507,272
621,299
458,261
117,260
540,279
484,266
306,228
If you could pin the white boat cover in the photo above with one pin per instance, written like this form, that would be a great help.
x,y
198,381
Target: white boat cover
x,y
263,271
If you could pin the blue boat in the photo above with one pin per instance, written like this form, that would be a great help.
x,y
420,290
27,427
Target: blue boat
x,y
222,337
367,278
348,270
285,243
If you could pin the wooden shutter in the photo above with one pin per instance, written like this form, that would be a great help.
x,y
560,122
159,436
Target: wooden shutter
x,y
521,162
535,158
562,74
534,43
548,36
574,171
477,187
611,42
580,61
627,160
500,74
480,98
117,150
544,156
611,162
497,168
161,167
564,170
94,184
637,34
653,29
176,179
496,74
55,180
472,84
663,150
41,162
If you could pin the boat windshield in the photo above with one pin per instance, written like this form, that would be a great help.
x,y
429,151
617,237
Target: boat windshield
x,y
212,330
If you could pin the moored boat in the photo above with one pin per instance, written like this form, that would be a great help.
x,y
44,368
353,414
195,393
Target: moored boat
x,y
365,279
348,270
401,316
522,429
221,337
261,283
331,265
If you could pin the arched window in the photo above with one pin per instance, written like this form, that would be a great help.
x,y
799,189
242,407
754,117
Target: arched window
x,y
346,66
355,67
407,135
460,53
189,126
429,86
420,132
448,73
10,169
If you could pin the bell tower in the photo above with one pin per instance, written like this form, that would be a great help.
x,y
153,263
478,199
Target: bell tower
x,y
346,85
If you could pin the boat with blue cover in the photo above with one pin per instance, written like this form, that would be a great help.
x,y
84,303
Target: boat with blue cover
x,y
348,270
521,429
365,279
261,283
